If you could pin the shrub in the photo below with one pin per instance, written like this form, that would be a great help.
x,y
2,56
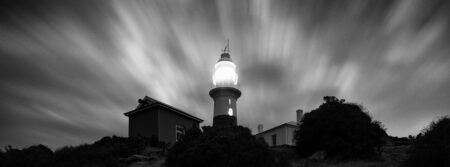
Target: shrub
x,y
226,146
400,141
432,146
38,155
342,130
105,152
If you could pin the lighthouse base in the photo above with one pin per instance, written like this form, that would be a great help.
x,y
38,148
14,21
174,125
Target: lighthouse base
x,y
224,120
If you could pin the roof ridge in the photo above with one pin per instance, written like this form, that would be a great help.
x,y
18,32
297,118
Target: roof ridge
x,y
278,126
152,102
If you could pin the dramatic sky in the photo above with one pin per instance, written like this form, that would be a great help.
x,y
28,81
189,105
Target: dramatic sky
x,y
70,69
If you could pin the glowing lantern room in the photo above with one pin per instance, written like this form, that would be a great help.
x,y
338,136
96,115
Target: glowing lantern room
x,y
225,72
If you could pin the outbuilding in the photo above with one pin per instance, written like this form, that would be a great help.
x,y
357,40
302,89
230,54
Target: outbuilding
x,y
154,118
282,134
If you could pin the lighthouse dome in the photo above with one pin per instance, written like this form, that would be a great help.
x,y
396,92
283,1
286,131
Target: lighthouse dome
x,y
225,72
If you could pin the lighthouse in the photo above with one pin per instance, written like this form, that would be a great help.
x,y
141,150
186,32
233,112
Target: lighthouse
x,y
224,91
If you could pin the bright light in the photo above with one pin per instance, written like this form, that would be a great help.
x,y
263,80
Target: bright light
x,y
230,111
225,74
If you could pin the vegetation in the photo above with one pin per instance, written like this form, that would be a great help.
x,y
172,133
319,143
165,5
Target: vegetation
x,y
106,152
432,146
343,131
224,146
401,141
38,155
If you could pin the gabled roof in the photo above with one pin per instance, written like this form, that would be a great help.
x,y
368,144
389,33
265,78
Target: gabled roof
x,y
149,102
290,124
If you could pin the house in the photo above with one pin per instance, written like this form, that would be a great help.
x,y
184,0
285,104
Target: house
x,y
154,118
282,134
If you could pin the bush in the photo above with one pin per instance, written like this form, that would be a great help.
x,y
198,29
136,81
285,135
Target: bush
x,y
106,152
400,141
342,130
226,146
432,146
38,155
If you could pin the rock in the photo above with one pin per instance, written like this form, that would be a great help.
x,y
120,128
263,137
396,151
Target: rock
x,y
141,164
153,150
137,158
319,155
154,163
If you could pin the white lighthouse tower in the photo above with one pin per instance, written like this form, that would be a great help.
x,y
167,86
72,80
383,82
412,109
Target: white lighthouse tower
x,y
225,93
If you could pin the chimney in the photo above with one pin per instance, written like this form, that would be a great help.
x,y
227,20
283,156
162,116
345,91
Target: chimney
x,y
260,128
299,115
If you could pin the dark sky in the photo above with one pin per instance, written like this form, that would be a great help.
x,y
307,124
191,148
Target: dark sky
x,y
70,69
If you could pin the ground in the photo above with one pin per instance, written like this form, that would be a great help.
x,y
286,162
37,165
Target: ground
x,y
392,156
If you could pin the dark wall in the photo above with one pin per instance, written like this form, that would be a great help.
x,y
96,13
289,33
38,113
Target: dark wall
x,y
167,122
144,123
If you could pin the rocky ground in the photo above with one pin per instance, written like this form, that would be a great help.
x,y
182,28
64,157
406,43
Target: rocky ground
x,y
392,156
150,157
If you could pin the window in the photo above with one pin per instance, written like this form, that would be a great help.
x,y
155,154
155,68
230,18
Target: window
x,y
179,132
274,140
293,137
230,111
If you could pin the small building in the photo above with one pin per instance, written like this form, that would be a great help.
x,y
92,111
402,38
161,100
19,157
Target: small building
x,y
282,134
154,118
